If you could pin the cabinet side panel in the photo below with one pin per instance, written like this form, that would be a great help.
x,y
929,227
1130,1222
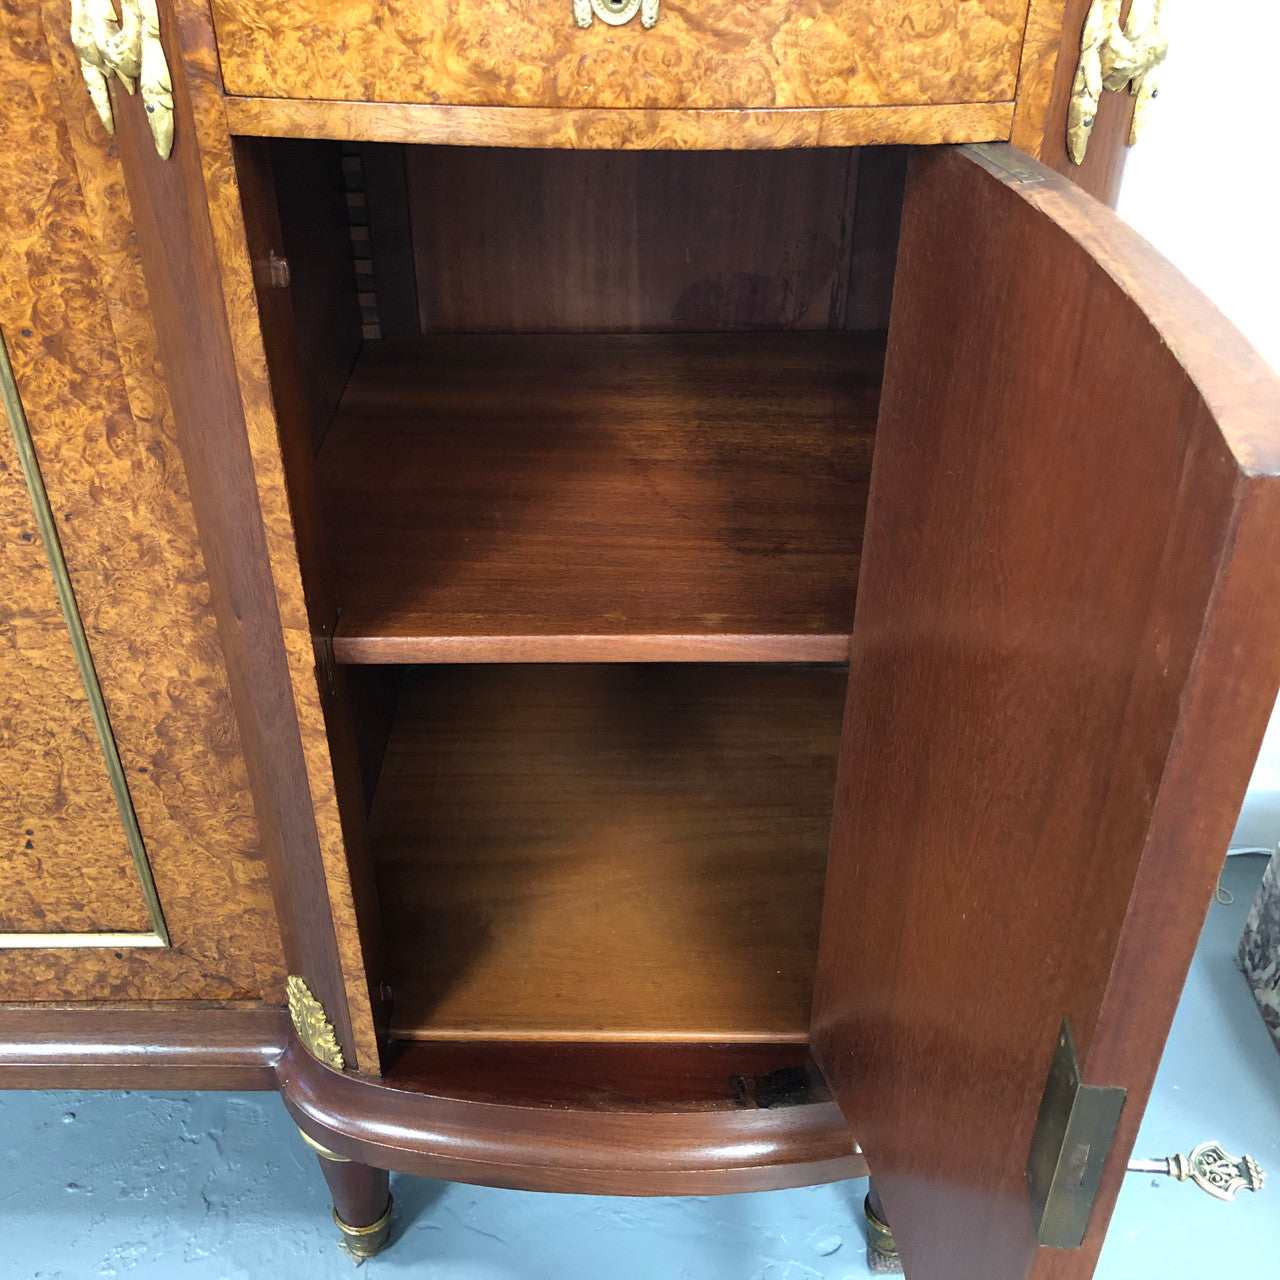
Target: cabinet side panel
x,y
199,278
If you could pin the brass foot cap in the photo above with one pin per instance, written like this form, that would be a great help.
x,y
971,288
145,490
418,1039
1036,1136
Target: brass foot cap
x,y
882,1248
360,1243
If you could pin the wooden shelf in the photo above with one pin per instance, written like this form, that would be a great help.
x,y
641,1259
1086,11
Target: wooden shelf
x,y
601,497
606,852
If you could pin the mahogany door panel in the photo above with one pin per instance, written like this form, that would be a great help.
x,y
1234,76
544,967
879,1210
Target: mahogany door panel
x,y
1063,657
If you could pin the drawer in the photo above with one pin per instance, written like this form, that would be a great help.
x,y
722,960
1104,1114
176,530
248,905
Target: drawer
x,y
700,55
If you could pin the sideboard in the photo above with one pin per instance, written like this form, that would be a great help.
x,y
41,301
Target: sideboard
x,y
619,595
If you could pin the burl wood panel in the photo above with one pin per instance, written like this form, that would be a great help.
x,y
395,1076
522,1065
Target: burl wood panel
x,y
606,852
74,308
717,54
1063,659
601,497
636,242
67,866
618,128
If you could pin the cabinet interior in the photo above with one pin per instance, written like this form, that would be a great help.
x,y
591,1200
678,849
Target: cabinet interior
x,y
579,446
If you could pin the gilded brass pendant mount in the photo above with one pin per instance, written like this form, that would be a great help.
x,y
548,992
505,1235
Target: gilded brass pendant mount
x,y
1115,56
313,1027
129,49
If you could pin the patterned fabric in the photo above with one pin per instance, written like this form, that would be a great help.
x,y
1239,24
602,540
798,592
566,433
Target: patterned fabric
x,y
1259,953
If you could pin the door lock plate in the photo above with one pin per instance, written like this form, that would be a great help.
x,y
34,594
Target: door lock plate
x,y
1069,1147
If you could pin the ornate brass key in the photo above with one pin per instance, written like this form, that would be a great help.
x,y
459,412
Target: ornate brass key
x,y
1211,1168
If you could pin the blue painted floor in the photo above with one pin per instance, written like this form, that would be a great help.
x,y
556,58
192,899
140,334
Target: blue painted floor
x,y
218,1186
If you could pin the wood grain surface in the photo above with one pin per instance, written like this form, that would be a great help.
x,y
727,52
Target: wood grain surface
x,y
654,1077
529,53
295,349
360,1193
173,1046
191,32
1044,95
535,498
606,852
635,1144
67,864
632,242
1050,49
618,128
1062,662
74,309
172,221
192,241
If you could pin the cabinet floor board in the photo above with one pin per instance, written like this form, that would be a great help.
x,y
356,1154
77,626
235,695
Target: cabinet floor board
x,y
606,852
654,497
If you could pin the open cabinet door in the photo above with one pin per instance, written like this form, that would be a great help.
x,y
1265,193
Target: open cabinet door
x,y
1066,646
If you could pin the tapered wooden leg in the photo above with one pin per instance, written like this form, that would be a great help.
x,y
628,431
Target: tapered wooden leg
x,y
882,1248
361,1201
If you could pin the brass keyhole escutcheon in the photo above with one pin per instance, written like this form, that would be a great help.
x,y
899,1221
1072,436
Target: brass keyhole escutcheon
x,y
615,13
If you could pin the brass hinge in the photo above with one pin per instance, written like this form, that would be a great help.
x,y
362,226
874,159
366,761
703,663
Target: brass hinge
x,y
1069,1147
129,49
1115,55
322,641
326,666
313,1027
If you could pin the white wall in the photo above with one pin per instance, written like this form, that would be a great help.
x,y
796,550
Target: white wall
x,y
1203,185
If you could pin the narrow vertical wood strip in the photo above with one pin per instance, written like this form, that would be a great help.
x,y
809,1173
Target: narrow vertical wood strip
x,y
191,41
172,209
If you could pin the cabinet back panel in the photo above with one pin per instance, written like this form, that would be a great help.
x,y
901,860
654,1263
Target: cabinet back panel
x,y
527,241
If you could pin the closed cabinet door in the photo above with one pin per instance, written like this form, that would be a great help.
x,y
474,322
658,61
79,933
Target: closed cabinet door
x,y
132,868
1063,658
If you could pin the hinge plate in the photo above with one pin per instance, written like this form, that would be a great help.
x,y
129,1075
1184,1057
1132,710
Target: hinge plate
x,y
1069,1147
326,666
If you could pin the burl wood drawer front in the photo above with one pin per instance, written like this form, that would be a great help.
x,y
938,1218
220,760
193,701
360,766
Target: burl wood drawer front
x,y
699,54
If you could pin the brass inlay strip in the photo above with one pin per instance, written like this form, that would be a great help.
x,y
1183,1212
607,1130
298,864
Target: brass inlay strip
x,y
159,935
44,940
